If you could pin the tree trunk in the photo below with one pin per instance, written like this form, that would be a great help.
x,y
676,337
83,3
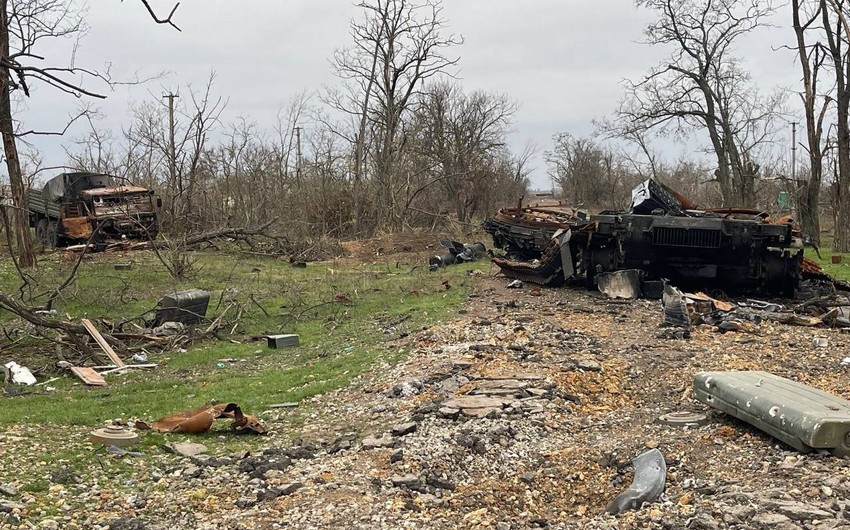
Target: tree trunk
x,y
807,207
20,216
842,227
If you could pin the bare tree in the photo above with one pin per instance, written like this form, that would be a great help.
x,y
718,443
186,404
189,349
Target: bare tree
x,y
398,45
703,86
459,135
837,31
806,17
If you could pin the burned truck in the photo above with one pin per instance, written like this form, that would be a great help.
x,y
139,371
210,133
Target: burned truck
x,y
666,237
73,206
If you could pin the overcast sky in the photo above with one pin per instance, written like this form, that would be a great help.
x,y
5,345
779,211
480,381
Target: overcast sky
x,y
561,60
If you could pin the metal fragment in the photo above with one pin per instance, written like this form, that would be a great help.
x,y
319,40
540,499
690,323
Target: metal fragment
x,y
647,486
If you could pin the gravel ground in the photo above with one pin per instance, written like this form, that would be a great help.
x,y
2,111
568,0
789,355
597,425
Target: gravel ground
x,y
523,412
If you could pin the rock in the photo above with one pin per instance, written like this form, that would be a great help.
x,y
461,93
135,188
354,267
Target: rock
x,y
8,490
378,442
703,521
440,483
49,524
9,506
588,366
802,512
187,449
290,488
448,412
403,429
403,481
192,471
769,520
397,456
483,412
476,402
503,526
528,477
127,523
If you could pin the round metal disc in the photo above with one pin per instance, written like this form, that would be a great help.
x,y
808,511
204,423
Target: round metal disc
x,y
684,418
114,435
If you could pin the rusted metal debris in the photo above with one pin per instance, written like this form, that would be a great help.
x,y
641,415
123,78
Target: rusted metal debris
x,y
199,420
524,234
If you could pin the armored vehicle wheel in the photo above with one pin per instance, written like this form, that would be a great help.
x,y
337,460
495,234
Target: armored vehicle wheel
x,y
41,231
52,234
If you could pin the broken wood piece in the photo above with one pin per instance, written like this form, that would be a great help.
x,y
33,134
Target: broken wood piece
x,y
120,369
102,342
88,376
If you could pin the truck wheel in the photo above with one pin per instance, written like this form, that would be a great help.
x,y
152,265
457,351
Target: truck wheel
x,y
52,234
41,231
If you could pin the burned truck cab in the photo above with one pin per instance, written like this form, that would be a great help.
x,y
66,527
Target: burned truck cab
x,y
122,211
72,206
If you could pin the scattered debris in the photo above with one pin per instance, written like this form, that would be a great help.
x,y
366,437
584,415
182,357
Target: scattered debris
x,y
113,435
88,376
684,418
199,420
648,485
102,343
515,284
185,307
624,284
457,253
524,233
19,375
277,342
801,416
675,308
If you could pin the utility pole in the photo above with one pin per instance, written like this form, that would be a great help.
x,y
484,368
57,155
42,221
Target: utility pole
x,y
298,152
794,152
172,155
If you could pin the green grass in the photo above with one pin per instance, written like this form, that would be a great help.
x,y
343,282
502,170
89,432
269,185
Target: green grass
x,y
339,310
839,271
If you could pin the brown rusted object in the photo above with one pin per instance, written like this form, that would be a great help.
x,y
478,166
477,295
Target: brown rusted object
x,y
77,227
836,258
199,420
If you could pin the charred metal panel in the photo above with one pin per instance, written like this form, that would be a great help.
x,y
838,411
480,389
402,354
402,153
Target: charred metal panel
x,y
801,416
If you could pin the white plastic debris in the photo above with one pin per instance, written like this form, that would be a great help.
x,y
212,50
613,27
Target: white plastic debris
x,y
845,361
141,357
20,375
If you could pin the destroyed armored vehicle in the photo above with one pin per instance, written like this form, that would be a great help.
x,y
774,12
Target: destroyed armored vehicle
x,y
665,237
524,233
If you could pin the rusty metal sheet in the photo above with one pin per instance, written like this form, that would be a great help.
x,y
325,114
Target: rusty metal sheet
x,y
199,420
77,227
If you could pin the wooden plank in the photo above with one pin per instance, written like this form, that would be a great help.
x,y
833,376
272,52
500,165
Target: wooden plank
x,y
88,376
102,343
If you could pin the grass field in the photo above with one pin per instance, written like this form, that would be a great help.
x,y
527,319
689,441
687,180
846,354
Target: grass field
x,y
343,312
